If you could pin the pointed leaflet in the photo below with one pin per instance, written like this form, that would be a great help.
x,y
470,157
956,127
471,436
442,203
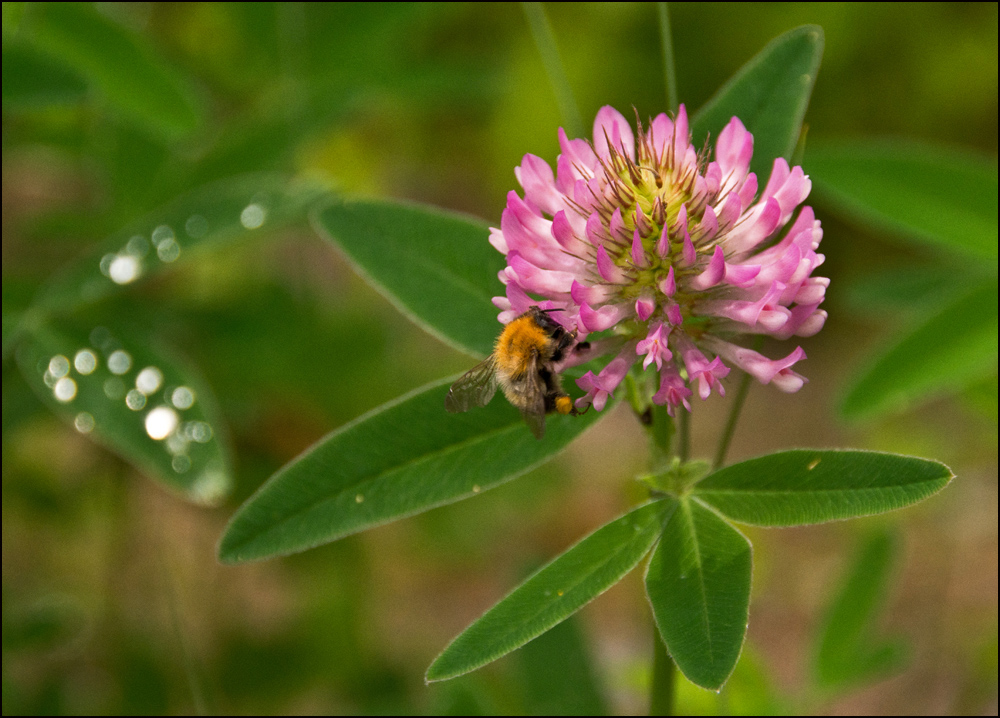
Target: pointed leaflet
x,y
403,458
225,210
944,352
698,583
556,591
770,95
134,398
806,486
403,249
935,195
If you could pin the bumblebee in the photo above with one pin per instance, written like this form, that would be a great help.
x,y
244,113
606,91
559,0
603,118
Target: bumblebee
x,y
522,366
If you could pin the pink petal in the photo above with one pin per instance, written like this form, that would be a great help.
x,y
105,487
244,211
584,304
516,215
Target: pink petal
x,y
535,176
669,285
689,253
593,295
563,233
754,227
661,132
709,224
674,315
616,227
748,190
497,240
597,320
609,271
638,251
663,243
596,233
610,125
730,211
733,150
540,281
578,152
713,274
644,307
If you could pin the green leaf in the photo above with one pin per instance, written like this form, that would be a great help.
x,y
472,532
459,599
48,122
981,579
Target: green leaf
x,y
807,486
770,95
127,72
904,289
937,195
437,267
943,353
403,458
556,591
698,583
32,80
224,211
847,651
133,398
558,676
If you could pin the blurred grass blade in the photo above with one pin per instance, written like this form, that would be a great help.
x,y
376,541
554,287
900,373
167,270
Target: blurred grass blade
x,y
32,80
770,95
558,675
847,652
944,353
138,401
403,458
406,250
936,195
226,210
555,591
698,583
131,77
807,486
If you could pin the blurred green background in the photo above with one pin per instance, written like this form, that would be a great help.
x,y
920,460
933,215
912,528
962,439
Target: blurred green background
x,y
113,601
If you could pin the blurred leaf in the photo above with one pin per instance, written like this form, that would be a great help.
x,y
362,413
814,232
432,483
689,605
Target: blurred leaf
x,y
33,80
905,289
138,401
807,486
982,395
698,583
943,353
555,591
932,194
230,209
770,95
13,12
847,651
123,67
49,623
403,458
558,675
437,267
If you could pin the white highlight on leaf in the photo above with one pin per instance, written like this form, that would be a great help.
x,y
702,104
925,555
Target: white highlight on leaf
x,y
182,398
85,361
119,362
161,422
84,422
65,390
135,400
253,216
124,269
149,380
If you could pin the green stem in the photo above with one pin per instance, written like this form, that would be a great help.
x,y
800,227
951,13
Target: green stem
x,y
661,695
734,413
734,416
669,72
684,450
545,41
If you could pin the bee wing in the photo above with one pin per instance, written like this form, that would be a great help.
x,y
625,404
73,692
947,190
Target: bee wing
x,y
475,388
534,409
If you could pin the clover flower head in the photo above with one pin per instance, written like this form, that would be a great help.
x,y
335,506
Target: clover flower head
x,y
674,251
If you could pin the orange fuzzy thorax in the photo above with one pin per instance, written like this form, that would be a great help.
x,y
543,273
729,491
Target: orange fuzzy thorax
x,y
517,342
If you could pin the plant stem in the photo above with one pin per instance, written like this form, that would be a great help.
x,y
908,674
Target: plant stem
x,y
545,41
684,450
661,695
734,413
669,72
734,416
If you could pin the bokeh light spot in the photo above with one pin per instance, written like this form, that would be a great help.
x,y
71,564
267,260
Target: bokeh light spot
x,y
161,422
85,361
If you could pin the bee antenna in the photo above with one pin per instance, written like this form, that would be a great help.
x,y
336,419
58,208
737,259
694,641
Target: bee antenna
x,y
554,309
